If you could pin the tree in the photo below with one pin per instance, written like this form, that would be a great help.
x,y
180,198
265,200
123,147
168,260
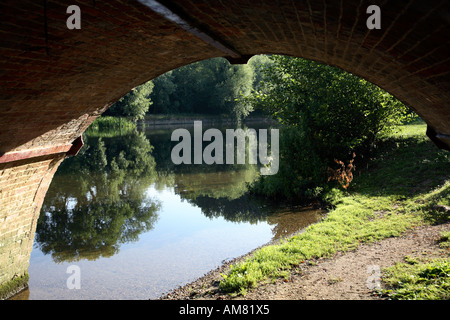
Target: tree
x,y
134,104
328,113
205,87
239,82
162,95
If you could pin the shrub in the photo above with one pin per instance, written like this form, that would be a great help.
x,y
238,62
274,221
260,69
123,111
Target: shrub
x,y
326,114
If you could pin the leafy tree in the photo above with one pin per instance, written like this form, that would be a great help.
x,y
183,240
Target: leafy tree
x,y
239,82
326,114
259,63
205,87
162,95
134,104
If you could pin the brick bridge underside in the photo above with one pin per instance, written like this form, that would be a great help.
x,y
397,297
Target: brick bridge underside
x,y
56,81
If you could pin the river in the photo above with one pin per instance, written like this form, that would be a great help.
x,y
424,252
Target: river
x,y
121,221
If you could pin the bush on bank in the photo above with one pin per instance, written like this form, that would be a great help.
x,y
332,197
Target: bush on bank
x,y
398,191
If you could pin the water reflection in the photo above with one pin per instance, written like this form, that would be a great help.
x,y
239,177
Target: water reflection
x,y
97,200
122,190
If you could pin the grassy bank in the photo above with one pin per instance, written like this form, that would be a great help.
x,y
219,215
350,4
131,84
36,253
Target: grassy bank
x,y
400,189
107,122
14,286
418,279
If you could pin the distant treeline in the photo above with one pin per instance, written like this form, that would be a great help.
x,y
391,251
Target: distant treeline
x,y
206,87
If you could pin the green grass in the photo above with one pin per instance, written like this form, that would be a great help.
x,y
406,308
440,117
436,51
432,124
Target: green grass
x,y
106,122
15,284
397,191
108,127
444,240
416,280
419,278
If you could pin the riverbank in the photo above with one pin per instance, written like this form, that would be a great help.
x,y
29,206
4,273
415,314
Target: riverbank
x,y
344,276
397,206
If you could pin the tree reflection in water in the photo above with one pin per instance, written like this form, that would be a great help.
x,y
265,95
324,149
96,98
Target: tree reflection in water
x,y
97,200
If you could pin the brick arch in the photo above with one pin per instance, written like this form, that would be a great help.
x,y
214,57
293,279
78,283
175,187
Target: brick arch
x,y
56,81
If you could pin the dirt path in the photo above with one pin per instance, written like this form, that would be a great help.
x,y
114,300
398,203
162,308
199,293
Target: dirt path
x,y
345,276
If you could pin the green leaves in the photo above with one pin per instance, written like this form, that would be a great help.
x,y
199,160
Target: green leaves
x,y
205,87
134,104
334,112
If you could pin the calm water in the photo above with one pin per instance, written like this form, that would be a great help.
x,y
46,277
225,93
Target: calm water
x,y
138,226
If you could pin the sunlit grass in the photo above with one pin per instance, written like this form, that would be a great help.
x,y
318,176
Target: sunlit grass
x,y
109,126
397,192
418,280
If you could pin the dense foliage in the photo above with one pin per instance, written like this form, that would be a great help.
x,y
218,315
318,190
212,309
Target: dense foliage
x,y
135,104
205,87
326,114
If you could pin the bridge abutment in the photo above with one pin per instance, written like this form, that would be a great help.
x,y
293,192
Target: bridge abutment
x,y
23,185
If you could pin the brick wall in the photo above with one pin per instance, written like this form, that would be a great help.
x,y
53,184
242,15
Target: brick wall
x,y
50,98
23,185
